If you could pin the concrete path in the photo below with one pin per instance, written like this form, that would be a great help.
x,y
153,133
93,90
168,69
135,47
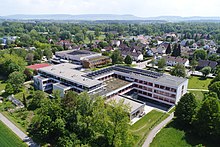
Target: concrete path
x,y
17,131
204,90
156,129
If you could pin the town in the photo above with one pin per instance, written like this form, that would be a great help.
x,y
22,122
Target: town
x,y
110,84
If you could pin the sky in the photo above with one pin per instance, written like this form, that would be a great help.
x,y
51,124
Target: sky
x,y
141,8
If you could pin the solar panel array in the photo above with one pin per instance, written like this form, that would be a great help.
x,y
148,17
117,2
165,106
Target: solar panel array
x,y
99,72
127,70
138,71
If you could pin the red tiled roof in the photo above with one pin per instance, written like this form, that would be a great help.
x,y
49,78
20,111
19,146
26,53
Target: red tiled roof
x,y
37,66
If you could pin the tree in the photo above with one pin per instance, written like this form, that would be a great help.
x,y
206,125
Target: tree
x,y
48,53
91,37
208,118
28,74
175,52
47,123
65,35
161,63
216,79
178,50
206,70
186,109
16,79
128,60
38,97
24,100
168,50
79,37
193,64
215,87
9,89
97,32
10,63
200,54
117,132
29,58
116,57
179,70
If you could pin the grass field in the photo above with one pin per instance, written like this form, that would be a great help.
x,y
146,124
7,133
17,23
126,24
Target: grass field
x,y
198,94
198,83
141,128
172,136
8,138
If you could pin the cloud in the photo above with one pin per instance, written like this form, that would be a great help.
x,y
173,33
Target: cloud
x,y
144,8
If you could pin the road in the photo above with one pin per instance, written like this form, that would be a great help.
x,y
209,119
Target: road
x,y
17,131
156,129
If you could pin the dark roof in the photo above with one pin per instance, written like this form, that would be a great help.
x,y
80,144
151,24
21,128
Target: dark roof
x,y
176,59
131,52
204,63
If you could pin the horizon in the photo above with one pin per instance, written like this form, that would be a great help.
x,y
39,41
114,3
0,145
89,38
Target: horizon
x,y
44,14
139,8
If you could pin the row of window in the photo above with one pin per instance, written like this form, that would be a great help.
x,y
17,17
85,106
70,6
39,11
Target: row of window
x,y
165,93
163,99
165,88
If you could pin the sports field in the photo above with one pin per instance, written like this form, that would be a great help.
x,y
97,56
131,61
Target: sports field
x,y
8,138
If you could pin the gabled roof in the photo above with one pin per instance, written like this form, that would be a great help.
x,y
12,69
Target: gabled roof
x,y
204,63
176,59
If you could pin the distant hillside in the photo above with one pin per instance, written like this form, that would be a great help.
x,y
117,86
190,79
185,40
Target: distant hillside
x,y
74,17
179,18
93,17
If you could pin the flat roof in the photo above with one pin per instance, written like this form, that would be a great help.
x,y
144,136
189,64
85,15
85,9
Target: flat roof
x,y
37,66
75,54
131,103
152,76
68,72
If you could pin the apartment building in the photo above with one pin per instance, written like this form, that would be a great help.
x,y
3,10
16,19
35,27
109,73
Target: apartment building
x,y
83,57
96,61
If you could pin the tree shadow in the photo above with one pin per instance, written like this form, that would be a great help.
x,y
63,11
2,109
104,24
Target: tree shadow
x,y
202,78
193,138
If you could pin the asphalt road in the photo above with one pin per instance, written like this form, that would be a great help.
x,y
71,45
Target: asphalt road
x,y
156,129
17,131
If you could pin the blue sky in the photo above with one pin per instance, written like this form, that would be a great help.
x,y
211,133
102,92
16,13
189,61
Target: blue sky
x,y
142,8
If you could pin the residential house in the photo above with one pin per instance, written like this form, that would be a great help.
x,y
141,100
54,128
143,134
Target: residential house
x,y
115,43
171,61
134,53
205,63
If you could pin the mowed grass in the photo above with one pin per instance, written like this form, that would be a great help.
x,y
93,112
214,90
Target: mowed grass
x,y
170,137
198,94
141,128
198,82
173,136
8,138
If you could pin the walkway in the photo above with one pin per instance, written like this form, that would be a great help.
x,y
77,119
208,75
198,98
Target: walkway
x,y
156,129
203,90
17,131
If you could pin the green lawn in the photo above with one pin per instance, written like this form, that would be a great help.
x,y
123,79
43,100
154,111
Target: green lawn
x,y
198,94
172,136
141,128
198,83
8,138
